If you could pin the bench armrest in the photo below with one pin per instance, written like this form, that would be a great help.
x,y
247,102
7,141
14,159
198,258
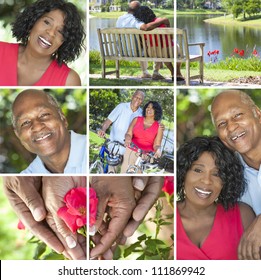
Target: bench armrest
x,y
195,44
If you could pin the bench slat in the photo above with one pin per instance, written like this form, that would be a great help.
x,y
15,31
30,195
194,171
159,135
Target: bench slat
x,y
134,45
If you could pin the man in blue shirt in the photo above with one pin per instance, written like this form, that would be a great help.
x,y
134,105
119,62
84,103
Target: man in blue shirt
x,y
238,123
42,129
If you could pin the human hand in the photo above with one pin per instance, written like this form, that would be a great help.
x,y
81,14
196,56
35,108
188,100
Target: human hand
x,y
127,141
24,197
116,197
250,244
101,133
158,153
54,190
147,199
167,22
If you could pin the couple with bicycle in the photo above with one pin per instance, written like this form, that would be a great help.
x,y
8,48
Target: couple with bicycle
x,y
138,131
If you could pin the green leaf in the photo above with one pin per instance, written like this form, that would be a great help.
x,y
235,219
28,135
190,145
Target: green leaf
x,y
40,249
131,248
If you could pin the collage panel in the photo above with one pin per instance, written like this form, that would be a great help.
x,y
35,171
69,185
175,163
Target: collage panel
x,y
42,43
218,43
218,190
43,131
33,208
131,131
135,220
131,43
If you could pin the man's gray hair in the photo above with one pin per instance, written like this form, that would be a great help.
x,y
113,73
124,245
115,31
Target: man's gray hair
x,y
139,90
244,97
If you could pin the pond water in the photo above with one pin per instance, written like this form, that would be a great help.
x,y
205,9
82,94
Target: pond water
x,y
216,37
219,37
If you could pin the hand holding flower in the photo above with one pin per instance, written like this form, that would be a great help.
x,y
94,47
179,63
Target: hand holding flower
x,y
54,190
116,197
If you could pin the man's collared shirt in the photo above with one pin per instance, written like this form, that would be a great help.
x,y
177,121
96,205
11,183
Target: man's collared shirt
x,y
129,21
121,117
76,162
252,195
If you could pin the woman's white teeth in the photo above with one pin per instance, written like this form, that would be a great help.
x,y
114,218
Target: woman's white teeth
x,y
203,192
45,41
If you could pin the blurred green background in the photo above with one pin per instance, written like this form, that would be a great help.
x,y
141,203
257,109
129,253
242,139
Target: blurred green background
x,y
13,156
193,111
8,12
13,242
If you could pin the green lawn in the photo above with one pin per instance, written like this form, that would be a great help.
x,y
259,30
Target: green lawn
x,y
159,12
229,20
220,75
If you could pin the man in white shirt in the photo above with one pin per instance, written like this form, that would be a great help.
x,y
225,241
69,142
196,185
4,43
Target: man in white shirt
x,y
128,20
121,116
238,123
42,129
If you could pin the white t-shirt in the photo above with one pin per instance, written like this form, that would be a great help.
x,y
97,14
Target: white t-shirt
x,y
121,117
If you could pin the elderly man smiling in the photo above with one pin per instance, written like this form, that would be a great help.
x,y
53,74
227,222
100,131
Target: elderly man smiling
x,y
42,129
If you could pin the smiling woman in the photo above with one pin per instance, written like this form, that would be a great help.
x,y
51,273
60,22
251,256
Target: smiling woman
x,y
51,34
210,220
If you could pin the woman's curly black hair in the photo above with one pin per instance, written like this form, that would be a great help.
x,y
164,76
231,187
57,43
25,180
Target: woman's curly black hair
x,y
231,171
73,31
157,109
144,14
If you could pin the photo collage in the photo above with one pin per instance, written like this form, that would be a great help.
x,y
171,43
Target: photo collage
x,y
93,93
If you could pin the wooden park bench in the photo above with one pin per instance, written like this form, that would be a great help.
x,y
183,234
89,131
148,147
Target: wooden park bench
x,y
134,45
184,55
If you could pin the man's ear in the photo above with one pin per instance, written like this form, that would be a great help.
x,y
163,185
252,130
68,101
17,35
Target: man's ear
x,y
16,133
64,120
258,113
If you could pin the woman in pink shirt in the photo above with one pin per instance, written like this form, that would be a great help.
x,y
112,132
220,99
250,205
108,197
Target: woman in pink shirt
x,y
51,35
210,220
145,133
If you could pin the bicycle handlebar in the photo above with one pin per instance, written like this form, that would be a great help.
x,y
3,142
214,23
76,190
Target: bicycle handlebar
x,y
141,151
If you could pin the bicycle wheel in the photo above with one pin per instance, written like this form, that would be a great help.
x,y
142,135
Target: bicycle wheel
x,y
96,167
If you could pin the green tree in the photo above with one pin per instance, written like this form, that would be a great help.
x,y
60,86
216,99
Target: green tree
x,y
253,7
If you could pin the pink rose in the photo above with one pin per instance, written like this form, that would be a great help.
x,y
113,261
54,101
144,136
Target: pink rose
x,y
168,185
74,212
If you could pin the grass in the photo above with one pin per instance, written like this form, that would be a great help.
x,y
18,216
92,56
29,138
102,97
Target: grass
x,y
221,75
229,20
222,71
130,69
95,142
199,12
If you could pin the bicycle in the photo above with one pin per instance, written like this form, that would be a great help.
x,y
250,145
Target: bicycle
x,y
108,156
145,163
